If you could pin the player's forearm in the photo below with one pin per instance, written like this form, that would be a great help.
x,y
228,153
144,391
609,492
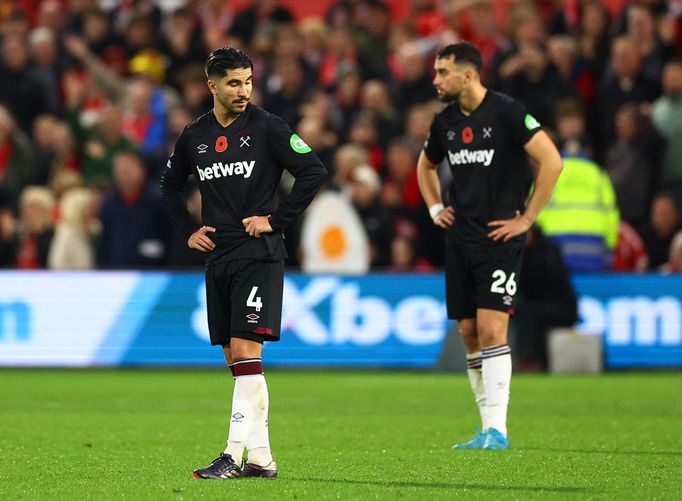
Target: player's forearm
x,y
174,202
429,184
548,173
305,187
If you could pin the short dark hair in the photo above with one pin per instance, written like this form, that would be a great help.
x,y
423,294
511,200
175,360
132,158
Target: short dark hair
x,y
226,58
463,52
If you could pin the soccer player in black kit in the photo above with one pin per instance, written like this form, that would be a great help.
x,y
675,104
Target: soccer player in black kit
x,y
486,139
237,153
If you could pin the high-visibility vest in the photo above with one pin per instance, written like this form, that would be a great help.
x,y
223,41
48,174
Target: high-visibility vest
x,y
582,216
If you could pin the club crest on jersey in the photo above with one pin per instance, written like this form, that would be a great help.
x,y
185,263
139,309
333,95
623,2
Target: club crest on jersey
x,y
467,135
244,141
221,144
202,148
487,132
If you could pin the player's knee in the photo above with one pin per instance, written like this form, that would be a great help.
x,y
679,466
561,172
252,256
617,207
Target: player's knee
x,y
241,349
467,329
492,335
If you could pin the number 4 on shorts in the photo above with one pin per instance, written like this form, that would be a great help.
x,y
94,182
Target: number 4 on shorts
x,y
254,301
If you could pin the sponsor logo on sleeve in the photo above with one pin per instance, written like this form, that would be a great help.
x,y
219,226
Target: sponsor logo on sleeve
x,y
299,145
530,122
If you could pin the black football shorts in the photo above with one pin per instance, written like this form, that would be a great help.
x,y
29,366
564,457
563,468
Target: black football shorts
x,y
244,300
479,277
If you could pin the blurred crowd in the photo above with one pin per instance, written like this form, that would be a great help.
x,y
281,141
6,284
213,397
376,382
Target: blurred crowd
x,y
93,94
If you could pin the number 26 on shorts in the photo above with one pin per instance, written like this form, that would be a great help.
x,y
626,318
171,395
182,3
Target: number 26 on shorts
x,y
501,284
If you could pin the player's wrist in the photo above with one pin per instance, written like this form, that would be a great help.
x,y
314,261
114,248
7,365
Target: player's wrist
x,y
435,209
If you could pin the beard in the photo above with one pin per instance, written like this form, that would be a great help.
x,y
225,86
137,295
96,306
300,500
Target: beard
x,y
235,109
232,106
449,97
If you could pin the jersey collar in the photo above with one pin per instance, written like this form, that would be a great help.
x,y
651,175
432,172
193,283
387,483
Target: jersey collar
x,y
237,120
480,106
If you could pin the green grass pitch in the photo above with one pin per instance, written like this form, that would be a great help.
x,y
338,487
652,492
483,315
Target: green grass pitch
x,y
137,434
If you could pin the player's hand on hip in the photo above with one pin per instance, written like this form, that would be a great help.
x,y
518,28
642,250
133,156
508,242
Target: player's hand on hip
x,y
445,217
510,228
255,225
199,239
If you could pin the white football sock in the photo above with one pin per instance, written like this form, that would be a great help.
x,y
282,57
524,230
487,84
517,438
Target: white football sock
x,y
258,443
247,392
474,372
497,370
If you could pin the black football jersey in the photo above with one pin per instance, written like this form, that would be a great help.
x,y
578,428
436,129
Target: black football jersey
x,y
491,174
238,170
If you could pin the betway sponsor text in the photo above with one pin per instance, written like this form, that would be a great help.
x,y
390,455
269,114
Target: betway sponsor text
x,y
466,157
219,169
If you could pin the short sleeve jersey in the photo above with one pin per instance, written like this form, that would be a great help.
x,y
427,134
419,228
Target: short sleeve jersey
x,y
238,170
491,175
